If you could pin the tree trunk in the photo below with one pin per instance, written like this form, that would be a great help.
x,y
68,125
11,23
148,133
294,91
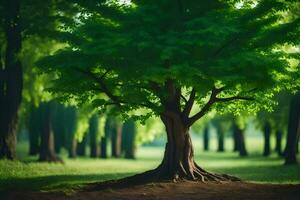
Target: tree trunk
x,y
72,149
278,142
206,139
220,140
103,151
34,130
267,131
116,139
12,83
235,140
293,131
93,131
128,139
178,162
81,146
47,151
240,140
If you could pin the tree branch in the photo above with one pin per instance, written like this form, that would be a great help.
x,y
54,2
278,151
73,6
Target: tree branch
x,y
184,99
189,104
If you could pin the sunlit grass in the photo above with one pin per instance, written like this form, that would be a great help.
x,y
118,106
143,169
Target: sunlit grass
x,y
28,174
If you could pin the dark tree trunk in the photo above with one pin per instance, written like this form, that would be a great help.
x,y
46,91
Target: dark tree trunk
x,y
116,139
206,139
81,146
70,121
235,141
34,131
278,147
103,151
293,131
128,139
240,140
47,151
267,133
220,140
12,80
93,131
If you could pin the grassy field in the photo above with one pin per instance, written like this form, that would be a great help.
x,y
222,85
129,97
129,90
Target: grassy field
x,y
27,174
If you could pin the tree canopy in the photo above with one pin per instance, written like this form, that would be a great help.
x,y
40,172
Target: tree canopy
x,y
166,55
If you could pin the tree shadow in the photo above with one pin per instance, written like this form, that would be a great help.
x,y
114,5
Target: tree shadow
x,y
56,182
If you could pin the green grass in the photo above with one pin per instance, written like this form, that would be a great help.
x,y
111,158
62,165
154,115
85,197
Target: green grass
x,y
28,174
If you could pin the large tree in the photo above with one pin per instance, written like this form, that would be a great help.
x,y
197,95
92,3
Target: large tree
x,y
165,57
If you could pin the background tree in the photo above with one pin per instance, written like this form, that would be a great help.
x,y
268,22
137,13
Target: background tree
x,y
164,57
293,131
128,139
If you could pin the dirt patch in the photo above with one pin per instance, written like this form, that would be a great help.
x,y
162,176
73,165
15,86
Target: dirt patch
x,y
174,191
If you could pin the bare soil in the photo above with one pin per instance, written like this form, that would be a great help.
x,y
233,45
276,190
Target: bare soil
x,y
171,191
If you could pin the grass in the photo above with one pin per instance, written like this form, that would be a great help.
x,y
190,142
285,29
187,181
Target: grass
x,y
27,174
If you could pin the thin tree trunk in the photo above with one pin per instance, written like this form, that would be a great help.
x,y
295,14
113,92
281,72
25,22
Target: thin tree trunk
x,y
220,140
293,131
267,132
72,149
103,151
206,139
278,147
11,86
235,141
93,131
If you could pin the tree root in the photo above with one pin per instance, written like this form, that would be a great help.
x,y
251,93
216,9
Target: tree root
x,y
158,175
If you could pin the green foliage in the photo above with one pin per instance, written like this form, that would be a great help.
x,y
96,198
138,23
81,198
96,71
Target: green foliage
x,y
124,54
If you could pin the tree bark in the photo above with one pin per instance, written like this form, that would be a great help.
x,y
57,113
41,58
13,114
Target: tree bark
x,y
103,150
267,132
206,139
235,140
278,147
293,131
72,148
12,84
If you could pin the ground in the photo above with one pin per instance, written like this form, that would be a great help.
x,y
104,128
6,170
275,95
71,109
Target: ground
x,y
27,179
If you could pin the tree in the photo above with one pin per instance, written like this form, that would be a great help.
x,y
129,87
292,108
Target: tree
x,y
93,133
162,57
293,131
11,79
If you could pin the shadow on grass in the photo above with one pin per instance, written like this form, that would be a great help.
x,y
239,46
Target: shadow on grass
x,y
263,173
56,182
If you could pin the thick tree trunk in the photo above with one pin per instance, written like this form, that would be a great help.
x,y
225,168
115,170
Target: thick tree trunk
x,y
206,139
293,131
278,147
47,151
178,162
12,82
267,132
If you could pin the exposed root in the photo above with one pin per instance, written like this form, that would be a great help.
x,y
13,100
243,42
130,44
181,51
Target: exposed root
x,y
158,175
